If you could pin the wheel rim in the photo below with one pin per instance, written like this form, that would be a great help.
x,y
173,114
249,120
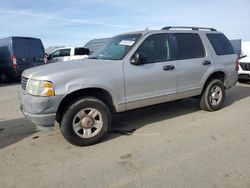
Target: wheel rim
x,y
215,95
87,123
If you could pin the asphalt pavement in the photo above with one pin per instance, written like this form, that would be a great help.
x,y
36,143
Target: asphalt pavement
x,y
170,145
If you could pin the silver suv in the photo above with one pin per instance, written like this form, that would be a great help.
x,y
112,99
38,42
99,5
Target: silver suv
x,y
132,70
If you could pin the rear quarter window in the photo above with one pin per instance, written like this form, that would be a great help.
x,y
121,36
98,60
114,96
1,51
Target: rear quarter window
x,y
221,45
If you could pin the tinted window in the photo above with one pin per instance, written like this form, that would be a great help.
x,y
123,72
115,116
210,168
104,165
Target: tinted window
x,y
156,48
82,51
36,48
20,48
221,44
188,46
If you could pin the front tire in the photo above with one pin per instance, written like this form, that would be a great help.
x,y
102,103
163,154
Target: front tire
x,y
212,96
86,121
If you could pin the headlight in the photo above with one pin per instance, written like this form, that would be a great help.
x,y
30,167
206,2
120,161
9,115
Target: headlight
x,y
40,88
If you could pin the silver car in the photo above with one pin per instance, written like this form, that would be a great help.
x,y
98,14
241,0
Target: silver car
x,y
132,70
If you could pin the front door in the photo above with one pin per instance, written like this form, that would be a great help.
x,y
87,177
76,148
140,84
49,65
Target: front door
x,y
153,81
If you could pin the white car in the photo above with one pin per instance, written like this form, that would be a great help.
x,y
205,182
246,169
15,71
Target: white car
x,y
244,70
68,54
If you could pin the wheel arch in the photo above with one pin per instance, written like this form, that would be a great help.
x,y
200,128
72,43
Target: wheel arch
x,y
216,75
99,93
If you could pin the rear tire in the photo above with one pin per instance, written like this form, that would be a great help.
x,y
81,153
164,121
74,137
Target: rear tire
x,y
86,121
4,79
212,96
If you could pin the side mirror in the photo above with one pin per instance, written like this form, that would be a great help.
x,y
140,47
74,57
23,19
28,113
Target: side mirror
x,y
49,57
137,59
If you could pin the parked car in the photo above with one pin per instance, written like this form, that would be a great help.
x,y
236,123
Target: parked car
x,y
133,70
18,54
68,54
244,70
95,44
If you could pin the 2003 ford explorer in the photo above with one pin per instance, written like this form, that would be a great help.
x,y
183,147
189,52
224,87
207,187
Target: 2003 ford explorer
x,y
132,70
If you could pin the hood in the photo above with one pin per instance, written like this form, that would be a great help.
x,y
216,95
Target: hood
x,y
68,69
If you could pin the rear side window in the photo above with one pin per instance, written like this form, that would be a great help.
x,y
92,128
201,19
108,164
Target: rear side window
x,y
82,51
188,46
221,44
64,52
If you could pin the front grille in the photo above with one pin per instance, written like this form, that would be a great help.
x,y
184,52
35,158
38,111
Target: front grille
x,y
24,82
245,66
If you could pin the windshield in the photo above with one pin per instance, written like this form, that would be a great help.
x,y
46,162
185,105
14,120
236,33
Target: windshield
x,y
117,47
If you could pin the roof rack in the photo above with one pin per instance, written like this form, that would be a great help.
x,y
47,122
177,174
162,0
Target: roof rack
x,y
192,28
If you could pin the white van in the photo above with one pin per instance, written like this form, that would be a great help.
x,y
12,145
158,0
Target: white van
x,y
68,54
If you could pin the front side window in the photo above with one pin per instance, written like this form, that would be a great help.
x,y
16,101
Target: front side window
x,y
117,47
156,48
56,53
188,46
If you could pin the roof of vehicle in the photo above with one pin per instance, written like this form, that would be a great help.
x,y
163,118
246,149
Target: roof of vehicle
x,y
174,29
11,37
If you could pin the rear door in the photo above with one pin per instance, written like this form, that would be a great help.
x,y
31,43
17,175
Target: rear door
x,y
36,50
193,63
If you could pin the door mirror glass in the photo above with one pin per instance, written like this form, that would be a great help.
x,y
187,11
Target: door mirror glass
x,y
138,58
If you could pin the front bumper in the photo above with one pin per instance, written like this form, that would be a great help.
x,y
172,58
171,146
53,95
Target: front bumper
x,y
40,110
44,120
243,74
244,77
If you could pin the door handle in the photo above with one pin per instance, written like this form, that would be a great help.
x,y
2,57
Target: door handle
x,y
168,67
206,62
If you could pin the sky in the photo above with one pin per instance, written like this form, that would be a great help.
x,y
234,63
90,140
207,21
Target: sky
x,y
74,22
